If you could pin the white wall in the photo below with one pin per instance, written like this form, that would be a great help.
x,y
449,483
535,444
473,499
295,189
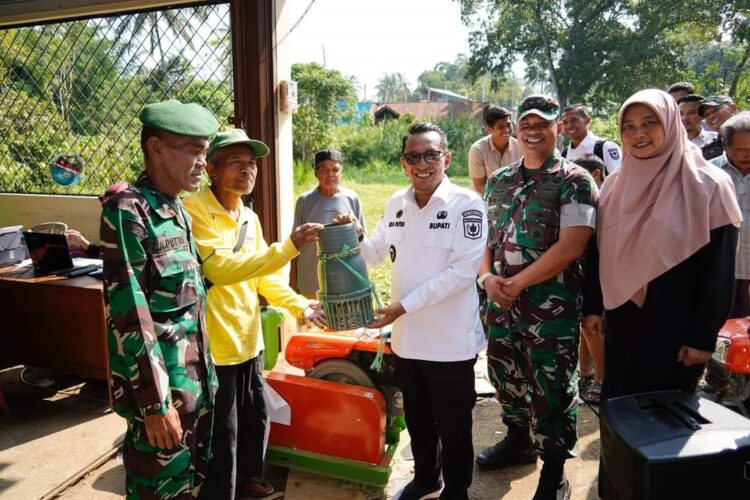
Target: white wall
x,y
285,208
78,212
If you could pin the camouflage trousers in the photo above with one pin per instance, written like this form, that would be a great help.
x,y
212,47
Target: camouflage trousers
x,y
536,382
154,473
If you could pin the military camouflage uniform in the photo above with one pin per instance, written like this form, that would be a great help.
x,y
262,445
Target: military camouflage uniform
x,y
533,347
158,347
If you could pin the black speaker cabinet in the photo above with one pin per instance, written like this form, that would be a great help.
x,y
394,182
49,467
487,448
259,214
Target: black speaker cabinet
x,y
671,444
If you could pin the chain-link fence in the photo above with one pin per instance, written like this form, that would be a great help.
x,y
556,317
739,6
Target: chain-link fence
x,y
77,87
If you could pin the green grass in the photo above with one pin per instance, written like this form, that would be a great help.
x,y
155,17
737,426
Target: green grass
x,y
374,192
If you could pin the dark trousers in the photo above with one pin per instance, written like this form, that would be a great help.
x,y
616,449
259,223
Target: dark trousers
x,y
438,399
240,420
741,305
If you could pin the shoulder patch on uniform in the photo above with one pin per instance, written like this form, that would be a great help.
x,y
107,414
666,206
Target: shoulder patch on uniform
x,y
472,220
614,153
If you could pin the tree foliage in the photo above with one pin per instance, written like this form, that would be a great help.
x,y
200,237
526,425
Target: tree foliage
x,y
69,88
456,77
600,51
319,92
320,88
392,87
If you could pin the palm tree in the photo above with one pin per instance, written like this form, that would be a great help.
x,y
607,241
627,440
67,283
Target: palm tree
x,y
392,87
129,30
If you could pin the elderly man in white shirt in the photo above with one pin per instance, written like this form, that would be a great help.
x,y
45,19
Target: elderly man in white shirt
x,y
735,136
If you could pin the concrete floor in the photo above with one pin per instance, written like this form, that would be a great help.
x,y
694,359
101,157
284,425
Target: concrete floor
x,y
516,483
49,438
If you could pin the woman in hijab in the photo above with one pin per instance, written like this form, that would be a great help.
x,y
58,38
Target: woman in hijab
x,y
667,236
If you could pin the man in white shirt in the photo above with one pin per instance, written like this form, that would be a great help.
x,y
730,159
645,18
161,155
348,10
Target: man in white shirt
x,y
735,135
496,150
575,125
691,120
434,233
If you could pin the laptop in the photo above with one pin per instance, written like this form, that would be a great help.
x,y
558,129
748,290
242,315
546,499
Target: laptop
x,y
50,254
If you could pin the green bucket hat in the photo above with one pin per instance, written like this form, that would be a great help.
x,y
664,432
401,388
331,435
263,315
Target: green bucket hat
x,y
235,136
177,118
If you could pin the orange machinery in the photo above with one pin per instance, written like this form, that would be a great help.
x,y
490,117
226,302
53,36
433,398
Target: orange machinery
x,y
733,346
345,416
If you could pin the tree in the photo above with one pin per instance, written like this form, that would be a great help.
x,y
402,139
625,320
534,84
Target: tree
x,y
132,31
740,27
599,51
319,92
321,88
392,87
455,77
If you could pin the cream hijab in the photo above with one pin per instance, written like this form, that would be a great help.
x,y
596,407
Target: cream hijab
x,y
654,213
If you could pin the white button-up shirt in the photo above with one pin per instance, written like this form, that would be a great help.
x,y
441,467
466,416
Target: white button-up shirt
x,y
436,251
742,188
704,138
610,150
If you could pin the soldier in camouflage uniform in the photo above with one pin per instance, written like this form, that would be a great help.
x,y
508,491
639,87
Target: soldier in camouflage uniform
x,y
162,377
541,214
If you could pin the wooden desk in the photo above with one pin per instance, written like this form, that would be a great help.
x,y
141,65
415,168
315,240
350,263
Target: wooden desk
x,y
54,323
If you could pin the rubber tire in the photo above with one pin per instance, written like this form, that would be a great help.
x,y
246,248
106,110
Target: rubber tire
x,y
341,371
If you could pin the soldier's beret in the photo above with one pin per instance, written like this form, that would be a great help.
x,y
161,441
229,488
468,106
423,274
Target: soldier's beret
x,y
181,119
235,136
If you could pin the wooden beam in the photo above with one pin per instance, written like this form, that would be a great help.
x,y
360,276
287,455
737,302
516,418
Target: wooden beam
x,y
253,38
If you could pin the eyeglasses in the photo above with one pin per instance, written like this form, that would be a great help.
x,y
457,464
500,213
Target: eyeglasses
x,y
428,157
540,102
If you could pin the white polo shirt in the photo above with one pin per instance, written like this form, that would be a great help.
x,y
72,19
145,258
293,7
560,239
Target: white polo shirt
x,y
610,150
436,252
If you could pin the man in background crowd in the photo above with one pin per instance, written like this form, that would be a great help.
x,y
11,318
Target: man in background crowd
x,y
575,125
735,136
679,90
715,110
320,205
498,149
691,120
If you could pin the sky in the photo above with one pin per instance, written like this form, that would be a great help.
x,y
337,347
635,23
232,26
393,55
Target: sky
x,y
368,38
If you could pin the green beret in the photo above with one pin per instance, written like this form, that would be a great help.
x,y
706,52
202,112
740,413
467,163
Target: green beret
x,y
235,136
181,119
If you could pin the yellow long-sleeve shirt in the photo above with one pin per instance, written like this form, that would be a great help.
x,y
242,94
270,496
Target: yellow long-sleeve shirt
x,y
233,315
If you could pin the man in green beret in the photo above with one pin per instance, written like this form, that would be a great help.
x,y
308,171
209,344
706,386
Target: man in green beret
x,y
239,263
162,376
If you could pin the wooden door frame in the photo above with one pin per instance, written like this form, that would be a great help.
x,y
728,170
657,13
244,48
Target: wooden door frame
x,y
253,25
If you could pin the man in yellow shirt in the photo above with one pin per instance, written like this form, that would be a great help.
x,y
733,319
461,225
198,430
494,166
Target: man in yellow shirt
x,y
240,265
